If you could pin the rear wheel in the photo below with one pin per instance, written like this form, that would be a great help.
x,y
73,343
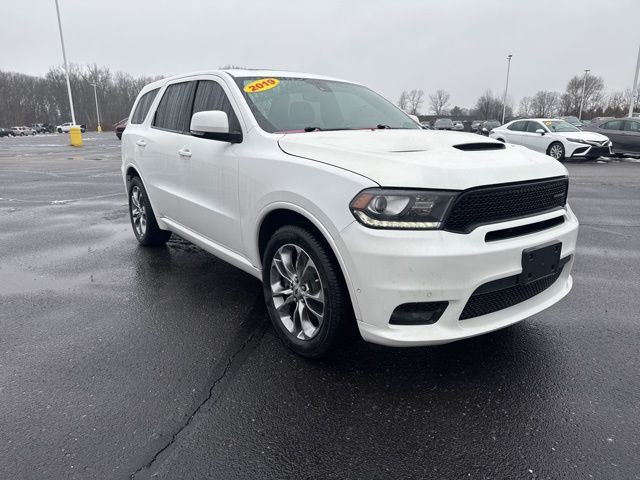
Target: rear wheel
x,y
143,220
305,293
556,150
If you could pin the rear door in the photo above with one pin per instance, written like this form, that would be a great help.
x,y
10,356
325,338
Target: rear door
x,y
614,130
209,171
631,136
165,137
514,132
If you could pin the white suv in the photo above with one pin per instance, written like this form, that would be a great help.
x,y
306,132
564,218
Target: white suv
x,y
346,209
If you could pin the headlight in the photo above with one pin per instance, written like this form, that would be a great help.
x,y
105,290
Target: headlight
x,y
402,209
575,140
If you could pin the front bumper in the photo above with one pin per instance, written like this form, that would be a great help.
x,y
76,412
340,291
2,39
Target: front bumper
x,y
585,150
388,268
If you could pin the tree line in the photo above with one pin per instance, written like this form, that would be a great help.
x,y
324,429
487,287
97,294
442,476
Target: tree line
x,y
597,102
27,99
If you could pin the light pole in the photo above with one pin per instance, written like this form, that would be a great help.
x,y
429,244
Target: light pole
x,y
66,67
95,94
584,86
635,85
506,87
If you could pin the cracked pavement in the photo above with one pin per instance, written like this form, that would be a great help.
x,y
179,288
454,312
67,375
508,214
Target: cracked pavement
x,y
120,362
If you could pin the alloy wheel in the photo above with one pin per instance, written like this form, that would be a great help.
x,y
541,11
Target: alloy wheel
x,y
297,292
138,211
556,151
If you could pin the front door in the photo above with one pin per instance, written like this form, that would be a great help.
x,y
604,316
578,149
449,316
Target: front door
x,y
209,173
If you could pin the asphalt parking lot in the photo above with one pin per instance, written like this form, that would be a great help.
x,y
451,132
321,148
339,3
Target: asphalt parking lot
x,y
118,361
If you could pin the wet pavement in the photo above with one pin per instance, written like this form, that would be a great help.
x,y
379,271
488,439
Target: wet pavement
x,y
118,361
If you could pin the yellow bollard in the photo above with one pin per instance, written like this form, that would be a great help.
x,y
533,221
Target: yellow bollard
x,y
99,129
75,134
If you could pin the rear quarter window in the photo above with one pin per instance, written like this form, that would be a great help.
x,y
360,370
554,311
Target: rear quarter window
x,y
143,106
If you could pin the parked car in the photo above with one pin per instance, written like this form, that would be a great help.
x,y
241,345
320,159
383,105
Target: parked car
x,y
458,125
623,132
120,126
22,131
426,126
66,127
6,132
232,160
42,127
557,138
575,121
443,124
475,125
487,126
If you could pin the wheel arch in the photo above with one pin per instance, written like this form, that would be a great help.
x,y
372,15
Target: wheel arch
x,y
288,214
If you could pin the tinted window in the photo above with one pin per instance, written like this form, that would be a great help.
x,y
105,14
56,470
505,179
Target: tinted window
x,y
612,125
533,126
632,126
144,104
517,126
211,96
174,109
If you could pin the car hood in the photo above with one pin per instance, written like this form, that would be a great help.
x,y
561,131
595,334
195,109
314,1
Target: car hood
x,y
593,136
422,158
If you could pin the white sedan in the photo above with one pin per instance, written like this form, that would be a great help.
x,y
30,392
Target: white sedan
x,y
555,137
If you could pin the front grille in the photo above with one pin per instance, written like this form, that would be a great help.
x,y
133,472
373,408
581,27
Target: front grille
x,y
482,205
484,303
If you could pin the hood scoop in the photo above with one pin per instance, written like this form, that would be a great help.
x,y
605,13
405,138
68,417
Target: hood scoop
x,y
479,146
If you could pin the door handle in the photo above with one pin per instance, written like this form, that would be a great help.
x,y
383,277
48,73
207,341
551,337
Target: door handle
x,y
141,143
185,152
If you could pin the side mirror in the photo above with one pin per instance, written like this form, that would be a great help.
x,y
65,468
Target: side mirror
x,y
213,124
540,131
414,117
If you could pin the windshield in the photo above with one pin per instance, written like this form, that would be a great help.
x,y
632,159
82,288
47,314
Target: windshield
x,y
444,121
560,126
282,104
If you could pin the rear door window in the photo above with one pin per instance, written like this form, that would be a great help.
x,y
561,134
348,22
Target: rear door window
x,y
612,125
144,104
517,126
174,110
211,96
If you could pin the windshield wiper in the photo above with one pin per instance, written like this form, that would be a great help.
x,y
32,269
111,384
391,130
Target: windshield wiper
x,y
312,129
382,126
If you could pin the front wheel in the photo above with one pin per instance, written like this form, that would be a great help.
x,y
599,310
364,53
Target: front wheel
x,y
143,220
59,130
305,293
556,150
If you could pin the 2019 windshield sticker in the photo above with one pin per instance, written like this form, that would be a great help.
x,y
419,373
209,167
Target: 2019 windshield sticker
x,y
261,85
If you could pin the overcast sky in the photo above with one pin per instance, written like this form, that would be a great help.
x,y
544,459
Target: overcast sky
x,y
391,45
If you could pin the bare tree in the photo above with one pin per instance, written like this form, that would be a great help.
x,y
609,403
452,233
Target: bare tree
x,y
26,99
438,101
593,95
544,104
403,101
524,110
414,101
489,107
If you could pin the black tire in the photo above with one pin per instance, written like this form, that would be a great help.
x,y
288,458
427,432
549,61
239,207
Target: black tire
x,y
500,139
560,155
150,235
338,325
59,130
